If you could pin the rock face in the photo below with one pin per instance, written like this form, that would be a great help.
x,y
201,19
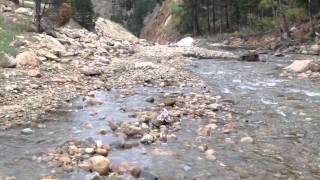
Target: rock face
x,y
6,61
299,66
100,164
251,56
28,58
186,42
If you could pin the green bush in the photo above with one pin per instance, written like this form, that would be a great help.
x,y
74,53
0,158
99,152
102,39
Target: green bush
x,y
8,32
176,9
295,14
265,24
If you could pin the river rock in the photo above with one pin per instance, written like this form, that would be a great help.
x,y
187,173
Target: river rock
x,y
299,66
6,61
148,139
251,56
102,151
246,140
27,131
28,58
94,176
213,107
89,150
72,150
186,42
150,99
315,48
100,164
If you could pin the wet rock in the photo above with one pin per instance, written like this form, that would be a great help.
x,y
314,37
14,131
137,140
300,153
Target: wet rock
x,y
100,164
148,139
169,102
251,56
103,131
299,66
114,126
6,61
164,117
94,176
72,150
246,140
102,151
145,175
210,155
204,131
150,99
27,131
89,150
131,130
28,58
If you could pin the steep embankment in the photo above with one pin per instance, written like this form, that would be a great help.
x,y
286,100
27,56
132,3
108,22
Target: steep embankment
x,y
160,25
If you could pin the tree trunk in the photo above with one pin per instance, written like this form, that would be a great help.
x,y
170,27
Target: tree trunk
x,y
213,16
208,16
311,17
38,15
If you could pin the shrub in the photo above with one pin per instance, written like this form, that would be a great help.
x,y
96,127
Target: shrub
x,y
176,9
8,31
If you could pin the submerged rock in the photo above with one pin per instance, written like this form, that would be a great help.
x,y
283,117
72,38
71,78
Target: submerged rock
x,y
27,131
251,56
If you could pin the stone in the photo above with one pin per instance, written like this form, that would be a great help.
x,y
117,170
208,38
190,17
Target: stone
x,y
150,99
315,48
100,164
27,131
28,58
213,107
53,44
145,175
145,65
164,117
94,176
299,66
64,160
186,42
169,102
90,71
86,166
246,140
24,11
148,139
89,150
34,73
6,61
72,150
251,56
315,66
204,131
103,131
102,151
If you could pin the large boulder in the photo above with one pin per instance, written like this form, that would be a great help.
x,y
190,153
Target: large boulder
x,y
28,58
6,61
251,56
299,66
186,42
100,164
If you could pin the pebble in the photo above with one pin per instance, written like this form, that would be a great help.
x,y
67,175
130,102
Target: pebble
x,y
103,132
27,131
89,150
100,164
147,139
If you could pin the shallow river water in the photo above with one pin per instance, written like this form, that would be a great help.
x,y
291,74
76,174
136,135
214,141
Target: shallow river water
x,y
282,116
